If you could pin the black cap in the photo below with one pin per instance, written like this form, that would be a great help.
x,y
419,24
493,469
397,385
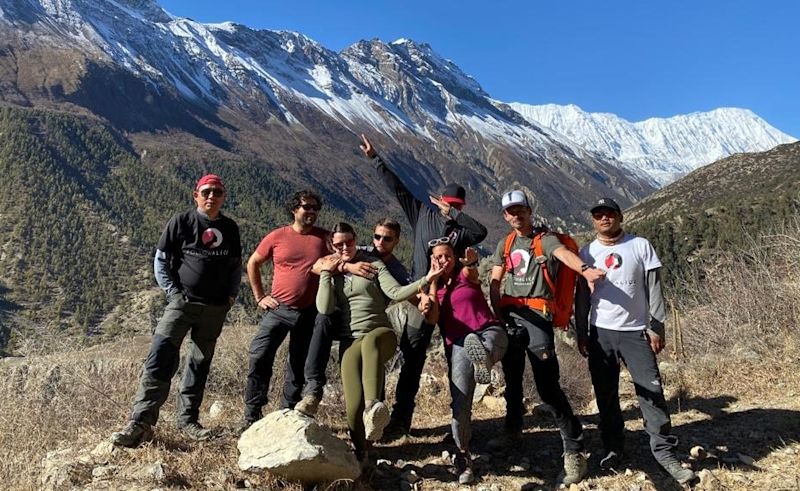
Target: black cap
x,y
606,203
453,193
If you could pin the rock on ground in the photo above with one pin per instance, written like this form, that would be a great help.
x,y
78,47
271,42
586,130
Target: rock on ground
x,y
295,447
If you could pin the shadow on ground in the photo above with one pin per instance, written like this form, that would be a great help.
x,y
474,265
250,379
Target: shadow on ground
x,y
536,462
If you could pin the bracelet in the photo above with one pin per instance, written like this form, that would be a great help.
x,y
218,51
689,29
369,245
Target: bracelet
x,y
584,267
262,297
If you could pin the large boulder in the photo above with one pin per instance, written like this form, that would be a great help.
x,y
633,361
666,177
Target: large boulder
x,y
289,444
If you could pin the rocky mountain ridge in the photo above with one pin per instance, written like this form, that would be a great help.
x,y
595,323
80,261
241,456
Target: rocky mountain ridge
x,y
238,88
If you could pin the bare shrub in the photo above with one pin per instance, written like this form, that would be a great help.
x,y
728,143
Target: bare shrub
x,y
746,301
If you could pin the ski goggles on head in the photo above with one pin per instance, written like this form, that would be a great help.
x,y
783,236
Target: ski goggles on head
x,y
439,241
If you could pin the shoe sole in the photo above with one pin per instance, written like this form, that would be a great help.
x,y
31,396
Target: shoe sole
x,y
375,421
479,357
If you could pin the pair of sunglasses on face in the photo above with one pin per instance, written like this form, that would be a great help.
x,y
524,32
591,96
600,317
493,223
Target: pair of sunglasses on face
x,y
308,207
206,192
599,215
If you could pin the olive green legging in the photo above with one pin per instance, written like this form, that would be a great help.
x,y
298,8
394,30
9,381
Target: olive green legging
x,y
362,378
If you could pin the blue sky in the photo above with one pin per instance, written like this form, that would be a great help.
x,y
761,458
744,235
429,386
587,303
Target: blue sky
x,y
637,59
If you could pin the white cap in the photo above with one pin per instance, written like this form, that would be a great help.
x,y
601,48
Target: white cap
x,y
515,197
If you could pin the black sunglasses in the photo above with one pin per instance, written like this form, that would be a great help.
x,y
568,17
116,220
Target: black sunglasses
x,y
209,191
384,238
310,207
598,215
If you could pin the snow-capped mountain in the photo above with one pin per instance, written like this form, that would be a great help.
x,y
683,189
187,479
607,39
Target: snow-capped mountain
x,y
283,95
665,148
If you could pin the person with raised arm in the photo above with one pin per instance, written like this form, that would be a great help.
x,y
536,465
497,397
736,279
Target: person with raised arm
x,y
441,216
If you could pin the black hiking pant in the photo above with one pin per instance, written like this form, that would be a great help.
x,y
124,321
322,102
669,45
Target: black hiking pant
x,y
531,334
272,330
414,346
326,331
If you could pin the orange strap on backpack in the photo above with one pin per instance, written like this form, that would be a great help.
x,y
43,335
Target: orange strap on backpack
x,y
563,288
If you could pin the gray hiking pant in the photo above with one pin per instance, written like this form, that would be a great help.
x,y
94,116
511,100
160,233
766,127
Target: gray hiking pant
x,y
180,316
462,380
607,348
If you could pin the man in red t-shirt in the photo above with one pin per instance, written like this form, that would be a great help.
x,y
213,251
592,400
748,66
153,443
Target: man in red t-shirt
x,y
289,306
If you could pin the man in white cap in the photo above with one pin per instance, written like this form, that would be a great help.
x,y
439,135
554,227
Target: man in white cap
x,y
526,306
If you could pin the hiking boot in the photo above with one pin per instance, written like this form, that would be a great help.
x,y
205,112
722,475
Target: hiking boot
x,y
308,405
376,417
677,471
463,465
507,440
448,439
479,357
134,434
611,460
575,468
395,430
195,431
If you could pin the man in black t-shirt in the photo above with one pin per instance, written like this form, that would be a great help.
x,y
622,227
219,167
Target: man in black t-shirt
x,y
198,264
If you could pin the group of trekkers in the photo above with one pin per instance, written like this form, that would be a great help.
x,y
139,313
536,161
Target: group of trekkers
x,y
326,288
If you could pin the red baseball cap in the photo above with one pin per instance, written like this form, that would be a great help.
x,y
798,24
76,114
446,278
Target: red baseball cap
x,y
454,194
209,179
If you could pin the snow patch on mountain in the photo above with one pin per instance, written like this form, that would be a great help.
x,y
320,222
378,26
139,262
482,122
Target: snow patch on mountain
x,y
665,148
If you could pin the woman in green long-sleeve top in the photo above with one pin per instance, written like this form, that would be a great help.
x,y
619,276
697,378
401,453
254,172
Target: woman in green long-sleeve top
x,y
369,341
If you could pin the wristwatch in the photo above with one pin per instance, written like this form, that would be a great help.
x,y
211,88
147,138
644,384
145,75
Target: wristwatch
x,y
584,267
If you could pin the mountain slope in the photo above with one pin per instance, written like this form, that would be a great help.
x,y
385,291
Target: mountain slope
x,y
665,148
720,207
277,93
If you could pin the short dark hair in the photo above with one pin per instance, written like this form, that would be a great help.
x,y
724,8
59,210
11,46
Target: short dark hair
x,y
298,198
389,223
343,228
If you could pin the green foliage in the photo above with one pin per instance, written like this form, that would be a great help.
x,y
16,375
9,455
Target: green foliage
x,y
81,213
706,217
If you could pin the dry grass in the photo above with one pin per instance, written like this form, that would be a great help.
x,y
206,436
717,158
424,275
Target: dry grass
x,y
738,390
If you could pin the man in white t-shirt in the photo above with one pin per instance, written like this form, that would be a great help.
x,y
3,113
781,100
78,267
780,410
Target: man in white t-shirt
x,y
622,321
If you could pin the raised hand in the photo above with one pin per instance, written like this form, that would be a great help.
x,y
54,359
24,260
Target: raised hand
x,y
443,206
470,257
436,270
366,147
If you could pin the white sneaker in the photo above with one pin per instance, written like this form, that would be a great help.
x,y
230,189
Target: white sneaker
x,y
376,417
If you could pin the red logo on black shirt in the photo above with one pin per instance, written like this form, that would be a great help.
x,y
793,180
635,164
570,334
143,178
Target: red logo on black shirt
x,y
613,261
212,238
